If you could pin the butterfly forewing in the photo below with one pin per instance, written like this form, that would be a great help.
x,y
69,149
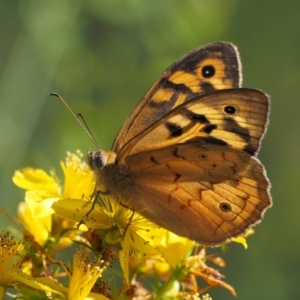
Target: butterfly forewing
x,y
236,118
212,67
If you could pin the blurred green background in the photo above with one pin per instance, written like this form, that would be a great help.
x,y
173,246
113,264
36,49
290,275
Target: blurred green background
x,y
101,56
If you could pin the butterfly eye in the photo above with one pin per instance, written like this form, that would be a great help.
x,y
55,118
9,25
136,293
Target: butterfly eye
x,y
230,109
208,71
225,207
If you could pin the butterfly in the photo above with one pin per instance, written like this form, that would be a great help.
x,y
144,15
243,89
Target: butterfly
x,y
186,158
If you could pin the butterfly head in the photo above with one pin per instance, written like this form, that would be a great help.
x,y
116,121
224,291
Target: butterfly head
x,y
102,163
97,159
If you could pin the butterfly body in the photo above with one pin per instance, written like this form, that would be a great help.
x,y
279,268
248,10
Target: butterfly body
x,y
186,157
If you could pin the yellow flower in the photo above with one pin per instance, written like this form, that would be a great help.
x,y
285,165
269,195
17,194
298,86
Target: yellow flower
x,y
36,214
135,233
43,189
12,252
82,279
79,179
173,248
84,275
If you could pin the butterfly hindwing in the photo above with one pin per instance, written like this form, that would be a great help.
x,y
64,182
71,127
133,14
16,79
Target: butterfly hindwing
x,y
212,67
204,191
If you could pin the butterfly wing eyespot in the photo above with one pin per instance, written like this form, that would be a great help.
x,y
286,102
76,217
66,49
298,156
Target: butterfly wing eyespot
x,y
208,71
230,109
225,207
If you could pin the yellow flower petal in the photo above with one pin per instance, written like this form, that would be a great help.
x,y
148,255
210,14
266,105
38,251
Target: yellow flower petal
x,y
38,227
76,210
131,244
35,179
171,246
40,203
41,283
241,240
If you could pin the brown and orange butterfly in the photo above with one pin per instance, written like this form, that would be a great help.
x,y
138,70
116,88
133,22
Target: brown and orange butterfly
x,y
186,157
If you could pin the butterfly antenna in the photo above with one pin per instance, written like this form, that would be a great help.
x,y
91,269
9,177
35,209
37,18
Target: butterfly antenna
x,y
84,126
80,116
